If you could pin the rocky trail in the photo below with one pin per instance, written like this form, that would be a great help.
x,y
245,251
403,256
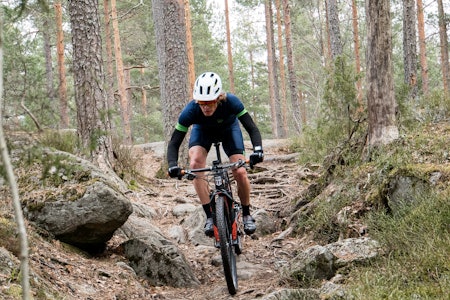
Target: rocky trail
x,y
60,269
274,184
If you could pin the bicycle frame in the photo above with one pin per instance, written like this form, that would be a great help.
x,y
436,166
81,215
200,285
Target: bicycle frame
x,y
226,215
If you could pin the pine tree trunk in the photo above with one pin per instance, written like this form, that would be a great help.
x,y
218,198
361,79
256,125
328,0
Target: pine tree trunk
x,y
190,48
170,32
334,32
63,105
409,47
357,57
277,128
282,71
380,84
422,47
293,81
444,47
124,105
109,58
90,97
229,52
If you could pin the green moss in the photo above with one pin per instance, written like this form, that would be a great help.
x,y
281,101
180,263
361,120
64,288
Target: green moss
x,y
13,290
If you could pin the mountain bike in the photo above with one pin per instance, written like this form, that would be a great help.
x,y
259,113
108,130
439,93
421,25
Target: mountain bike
x,y
226,214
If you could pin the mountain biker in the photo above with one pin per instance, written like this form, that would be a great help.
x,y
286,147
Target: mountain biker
x,y
214,115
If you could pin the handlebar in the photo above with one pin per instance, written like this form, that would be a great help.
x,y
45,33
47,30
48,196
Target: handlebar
x,y
190,173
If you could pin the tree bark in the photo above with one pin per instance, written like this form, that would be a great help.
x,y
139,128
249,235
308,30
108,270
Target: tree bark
x,y
90,97
380,87
334,31
124,105
293,81
422,47
170,32
48,60
229,52
109,58
409,47
63,105
277,127
190,48
357,56
444,47
282,71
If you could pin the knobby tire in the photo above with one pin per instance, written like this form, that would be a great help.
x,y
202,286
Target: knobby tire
x,y
226,247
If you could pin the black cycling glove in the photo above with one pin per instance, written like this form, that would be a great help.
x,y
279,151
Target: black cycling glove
x,y
257,156
175,172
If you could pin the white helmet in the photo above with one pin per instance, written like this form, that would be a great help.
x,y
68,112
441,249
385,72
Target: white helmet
x,y
208,87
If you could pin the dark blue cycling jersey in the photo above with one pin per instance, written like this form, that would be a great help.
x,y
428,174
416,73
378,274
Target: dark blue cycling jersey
x,y
225,115
222,126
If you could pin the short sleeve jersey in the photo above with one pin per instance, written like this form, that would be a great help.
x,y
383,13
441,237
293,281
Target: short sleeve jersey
x,y
225,115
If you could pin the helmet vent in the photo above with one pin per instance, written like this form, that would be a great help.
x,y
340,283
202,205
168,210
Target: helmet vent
x,y
208,87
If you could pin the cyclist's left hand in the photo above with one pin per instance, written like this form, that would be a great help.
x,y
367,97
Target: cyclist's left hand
x,y
256,157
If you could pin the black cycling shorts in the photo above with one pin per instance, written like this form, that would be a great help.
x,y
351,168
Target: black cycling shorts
x,y
231,138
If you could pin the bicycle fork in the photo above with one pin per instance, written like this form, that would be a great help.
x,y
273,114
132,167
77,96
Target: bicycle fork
x,y
235,216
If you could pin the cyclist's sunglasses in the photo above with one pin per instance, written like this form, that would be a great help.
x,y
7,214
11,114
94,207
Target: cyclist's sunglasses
x,y
206,103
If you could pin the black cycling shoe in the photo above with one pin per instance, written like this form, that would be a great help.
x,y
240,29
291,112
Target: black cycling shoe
x,y
209,227
249,225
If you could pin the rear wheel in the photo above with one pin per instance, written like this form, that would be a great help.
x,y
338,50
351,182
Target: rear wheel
x,y
226,247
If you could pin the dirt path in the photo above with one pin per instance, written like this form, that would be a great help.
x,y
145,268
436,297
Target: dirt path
x,y
273,187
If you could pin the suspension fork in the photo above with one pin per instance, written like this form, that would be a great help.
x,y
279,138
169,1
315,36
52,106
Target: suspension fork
x,y
232,208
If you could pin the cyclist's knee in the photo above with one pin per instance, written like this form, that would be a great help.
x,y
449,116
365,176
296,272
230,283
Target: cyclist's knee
x,y
240,174
197,157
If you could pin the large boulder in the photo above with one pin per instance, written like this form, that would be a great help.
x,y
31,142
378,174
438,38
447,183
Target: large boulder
x,y
88,221
154,257
74,201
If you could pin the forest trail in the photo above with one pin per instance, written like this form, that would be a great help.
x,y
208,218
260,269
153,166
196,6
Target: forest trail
x,y
275,183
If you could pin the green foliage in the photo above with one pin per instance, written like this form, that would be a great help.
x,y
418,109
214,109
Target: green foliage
x,y
415,237
148,128
63,140
416,266
336,120
126,162
8,236
435,107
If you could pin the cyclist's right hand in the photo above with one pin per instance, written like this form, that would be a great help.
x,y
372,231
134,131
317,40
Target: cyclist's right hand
x,y
175,172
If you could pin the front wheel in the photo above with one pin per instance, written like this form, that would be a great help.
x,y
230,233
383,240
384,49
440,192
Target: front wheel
x,y
223,220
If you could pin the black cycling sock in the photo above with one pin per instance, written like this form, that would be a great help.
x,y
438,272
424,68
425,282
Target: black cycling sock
x,y
245,210
207,209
